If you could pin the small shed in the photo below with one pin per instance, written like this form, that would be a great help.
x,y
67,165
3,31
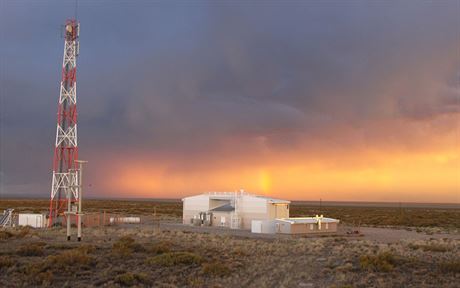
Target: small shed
x,y
31,219
306,225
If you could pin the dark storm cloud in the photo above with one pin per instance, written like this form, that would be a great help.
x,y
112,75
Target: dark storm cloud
x,y
183,77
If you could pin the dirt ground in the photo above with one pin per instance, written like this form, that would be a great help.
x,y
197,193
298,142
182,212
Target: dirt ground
x,y
174,255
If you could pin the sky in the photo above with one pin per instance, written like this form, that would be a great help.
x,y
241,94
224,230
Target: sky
x,y
302,100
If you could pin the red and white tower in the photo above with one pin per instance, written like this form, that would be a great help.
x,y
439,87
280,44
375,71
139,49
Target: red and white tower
x,y
64,190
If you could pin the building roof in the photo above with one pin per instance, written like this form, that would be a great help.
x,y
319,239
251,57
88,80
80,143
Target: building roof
x,y
230,195
274,200
308,220
224,208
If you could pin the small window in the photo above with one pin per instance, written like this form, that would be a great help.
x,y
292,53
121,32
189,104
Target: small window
x,y
327,226
311,226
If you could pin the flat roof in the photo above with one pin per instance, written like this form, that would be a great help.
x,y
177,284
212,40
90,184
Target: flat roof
x,y
274,200
308,220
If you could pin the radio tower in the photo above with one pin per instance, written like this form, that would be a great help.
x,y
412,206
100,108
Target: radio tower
x,y
64,190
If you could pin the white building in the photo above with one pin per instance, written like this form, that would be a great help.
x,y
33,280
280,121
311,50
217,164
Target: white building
x,y
32,219
232,209
306,225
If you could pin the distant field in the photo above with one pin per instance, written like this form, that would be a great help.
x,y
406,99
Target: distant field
x,y
359,215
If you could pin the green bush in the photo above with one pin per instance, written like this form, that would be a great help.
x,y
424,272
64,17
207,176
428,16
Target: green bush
x,y
216,269
175,258
131,279
125,246
382,262
68,261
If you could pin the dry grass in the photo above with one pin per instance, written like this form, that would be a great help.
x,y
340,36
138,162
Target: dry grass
x,y
175,258
131,279
430,247
31,249
5,262
216,269
450,266
140,257
189,259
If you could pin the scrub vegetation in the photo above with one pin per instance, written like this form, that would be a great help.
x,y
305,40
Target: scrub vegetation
x,y
172,256
137,256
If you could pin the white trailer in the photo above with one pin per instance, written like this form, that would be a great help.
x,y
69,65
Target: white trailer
x,y
32,220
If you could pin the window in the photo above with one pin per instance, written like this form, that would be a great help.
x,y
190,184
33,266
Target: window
x,y
327,226
311,226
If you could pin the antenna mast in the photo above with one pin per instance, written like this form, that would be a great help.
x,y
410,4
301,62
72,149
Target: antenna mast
x,y
64,187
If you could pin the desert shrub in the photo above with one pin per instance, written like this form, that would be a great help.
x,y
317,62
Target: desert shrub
x,y
43,278
382,262
36,274
160,247
174,258
86,248
452,266
59,246
435,248
23,232
430,247
5,262
4,235
239,252
68,260
126,246
216,269
31,249
130,279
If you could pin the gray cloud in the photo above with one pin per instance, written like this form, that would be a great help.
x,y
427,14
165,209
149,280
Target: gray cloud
x,y
181,78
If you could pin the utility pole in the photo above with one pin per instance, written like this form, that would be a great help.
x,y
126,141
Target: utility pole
x,y
80,196
75,187
320,205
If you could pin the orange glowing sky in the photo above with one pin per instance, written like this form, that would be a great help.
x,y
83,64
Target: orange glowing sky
x,y
426,172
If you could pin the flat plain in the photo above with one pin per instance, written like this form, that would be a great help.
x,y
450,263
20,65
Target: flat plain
x,y
397,247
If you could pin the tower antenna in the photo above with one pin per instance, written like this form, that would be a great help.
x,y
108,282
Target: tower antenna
x,y
64,186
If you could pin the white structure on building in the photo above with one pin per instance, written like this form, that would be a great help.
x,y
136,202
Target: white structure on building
x,y
235,210
306,225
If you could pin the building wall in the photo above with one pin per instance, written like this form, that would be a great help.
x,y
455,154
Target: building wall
x,y
302,228
194,205
277,211
33,220
217,219
252,208
282,227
